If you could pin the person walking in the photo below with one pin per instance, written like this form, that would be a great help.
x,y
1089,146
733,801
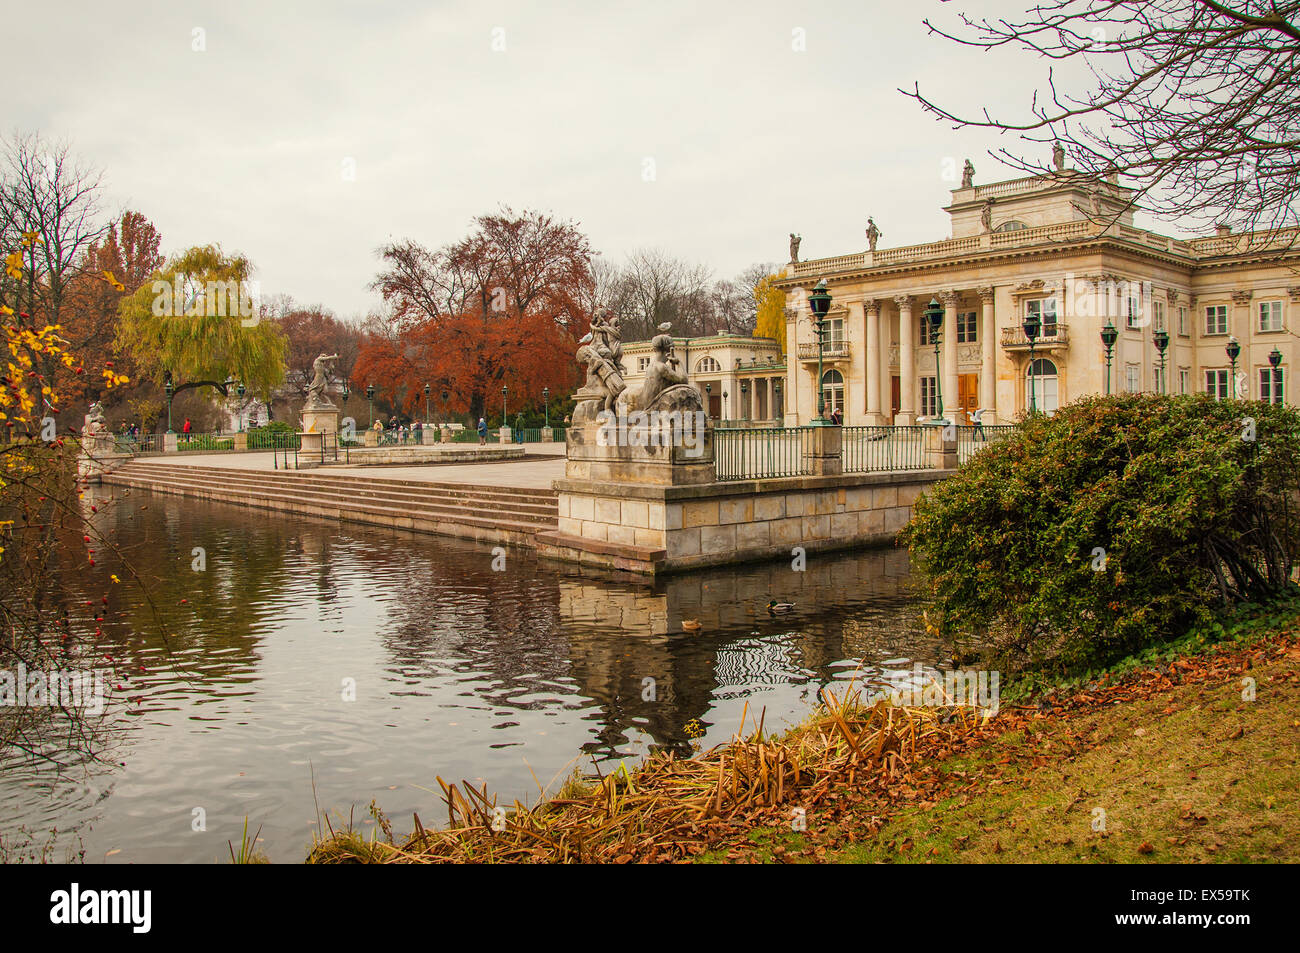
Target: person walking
x,y
977,418
482,432
187,429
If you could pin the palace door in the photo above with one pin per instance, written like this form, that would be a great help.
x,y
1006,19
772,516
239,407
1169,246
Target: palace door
x,y
895,397
968,395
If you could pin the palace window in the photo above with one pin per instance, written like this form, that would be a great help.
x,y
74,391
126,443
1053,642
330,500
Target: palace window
x,y
927,337
1132,378
1011,226
1133,312
929,396
833,390
1182,322
966,327
1270,385
1158,316
1216,383
642,363
1270,315
1184,380
835,335
1216,319
707,365
1045,310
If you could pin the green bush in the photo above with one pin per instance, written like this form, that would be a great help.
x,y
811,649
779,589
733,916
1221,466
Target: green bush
x,y
1110,527
274,426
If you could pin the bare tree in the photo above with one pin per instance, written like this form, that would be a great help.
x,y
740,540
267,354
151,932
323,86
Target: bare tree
x,y
1197,100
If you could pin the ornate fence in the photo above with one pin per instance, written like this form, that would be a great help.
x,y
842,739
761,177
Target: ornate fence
x,y
971,439
758,453
882,449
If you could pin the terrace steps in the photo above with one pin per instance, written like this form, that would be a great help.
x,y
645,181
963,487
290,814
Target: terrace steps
x,y
489,514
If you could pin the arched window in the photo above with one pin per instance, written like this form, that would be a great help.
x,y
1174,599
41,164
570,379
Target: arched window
x,y
1041,382
833,390
707,365
1011,226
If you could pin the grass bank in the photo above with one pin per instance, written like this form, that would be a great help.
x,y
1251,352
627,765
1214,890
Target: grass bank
x,y
1168,757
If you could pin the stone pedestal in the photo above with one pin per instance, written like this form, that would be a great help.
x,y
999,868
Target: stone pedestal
x,y
371,438
169,442
826,445
320,420
429,435
608,455
241,441
504,434
941,447
548,435
444,434
312,445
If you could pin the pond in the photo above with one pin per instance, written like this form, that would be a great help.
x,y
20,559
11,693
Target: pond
x,y
267,666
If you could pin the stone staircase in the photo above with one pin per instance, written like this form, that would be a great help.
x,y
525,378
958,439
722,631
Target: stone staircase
x,y
487,514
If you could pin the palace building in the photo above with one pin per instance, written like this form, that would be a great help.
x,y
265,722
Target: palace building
x,y
1063,248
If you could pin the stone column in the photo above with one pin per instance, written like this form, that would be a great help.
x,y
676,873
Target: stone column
x,y
988,354
906,362
771,399
886,392
949,299
871,351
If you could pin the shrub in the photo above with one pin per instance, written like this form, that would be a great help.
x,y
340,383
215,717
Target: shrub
x,y
1111,526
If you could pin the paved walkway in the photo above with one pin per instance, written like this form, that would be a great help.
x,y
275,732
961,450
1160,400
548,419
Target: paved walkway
x,y
541,464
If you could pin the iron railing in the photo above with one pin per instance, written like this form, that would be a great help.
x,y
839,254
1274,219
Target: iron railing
x,y
971,439
882,449
760,453
204,442
273,440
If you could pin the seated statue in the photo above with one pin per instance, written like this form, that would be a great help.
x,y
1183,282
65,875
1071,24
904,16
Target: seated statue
x,y
666,388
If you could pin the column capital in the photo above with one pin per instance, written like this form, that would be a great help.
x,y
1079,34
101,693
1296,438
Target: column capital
x,y
949,297
1242,296
986,293
871,306
1294,292
904,302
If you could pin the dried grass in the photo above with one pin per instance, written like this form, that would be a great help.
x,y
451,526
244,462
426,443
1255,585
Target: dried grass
x,y
672,808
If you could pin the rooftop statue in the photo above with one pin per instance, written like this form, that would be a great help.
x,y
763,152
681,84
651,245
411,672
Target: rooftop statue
x,y
968,175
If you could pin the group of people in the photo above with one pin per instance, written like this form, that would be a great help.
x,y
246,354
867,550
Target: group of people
x,y
398,432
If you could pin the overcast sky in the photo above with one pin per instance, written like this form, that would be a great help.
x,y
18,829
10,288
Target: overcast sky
x,y
247,142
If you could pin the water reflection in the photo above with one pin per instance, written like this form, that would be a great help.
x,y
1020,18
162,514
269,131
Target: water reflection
x,y
366,663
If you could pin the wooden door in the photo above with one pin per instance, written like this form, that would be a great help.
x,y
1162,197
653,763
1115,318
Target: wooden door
x,y
968,395
895,396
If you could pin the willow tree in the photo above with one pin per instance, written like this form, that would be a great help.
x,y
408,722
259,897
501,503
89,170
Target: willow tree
x,y
770,300
198,321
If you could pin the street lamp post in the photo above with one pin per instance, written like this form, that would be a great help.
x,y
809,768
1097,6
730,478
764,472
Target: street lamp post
x,y
1032,326
708,398
503,404
724,405
426,405
779,409
370,396
1274,360
241,390
1108,338
445,397
1233,349
1161,338
170,389
934,318
820,303
546,406
744,400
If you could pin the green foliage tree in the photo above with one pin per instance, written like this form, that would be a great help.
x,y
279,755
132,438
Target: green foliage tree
x,y
770,321
1111,526
197,319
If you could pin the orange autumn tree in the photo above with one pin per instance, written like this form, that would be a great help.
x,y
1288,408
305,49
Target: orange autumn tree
x,y
500,307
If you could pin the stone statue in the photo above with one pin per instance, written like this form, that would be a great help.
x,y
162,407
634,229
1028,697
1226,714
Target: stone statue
x,y
986,216
1058,156
967,175
602,351
666,388
94,422
794,247
322,367
873,233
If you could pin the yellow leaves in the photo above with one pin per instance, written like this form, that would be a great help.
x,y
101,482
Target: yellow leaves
x,y
29,238
114,577
6,310
112,281
14,264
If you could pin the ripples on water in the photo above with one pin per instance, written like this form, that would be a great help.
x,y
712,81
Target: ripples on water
x,y
234,695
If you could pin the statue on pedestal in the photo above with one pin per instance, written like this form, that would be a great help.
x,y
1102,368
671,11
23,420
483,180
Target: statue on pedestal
x,y
601,349
873,233
794,247
94,422
322,366
666,388
968,175
1058,156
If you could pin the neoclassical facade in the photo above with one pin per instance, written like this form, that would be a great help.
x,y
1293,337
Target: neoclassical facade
x,y
1062,247
741,379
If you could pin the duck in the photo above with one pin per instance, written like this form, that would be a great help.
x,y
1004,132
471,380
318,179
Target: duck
x,y
692,625
775,607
